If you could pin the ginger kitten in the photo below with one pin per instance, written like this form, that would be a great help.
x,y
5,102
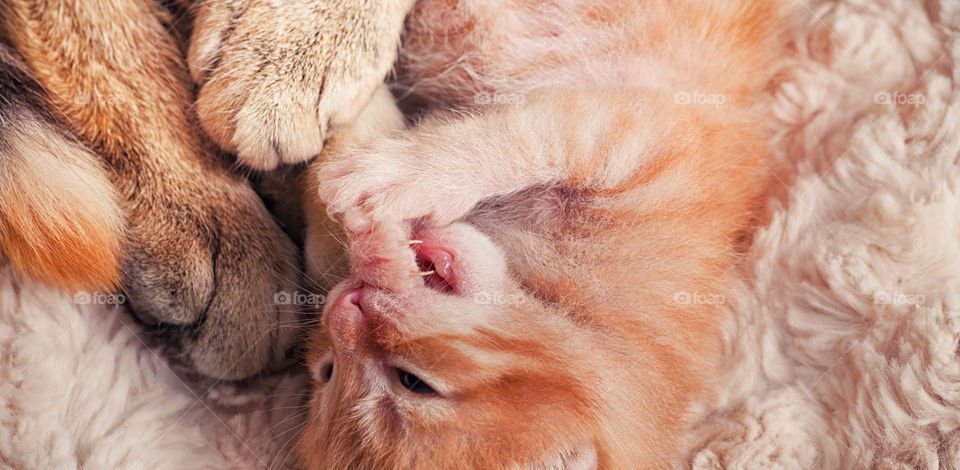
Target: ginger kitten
x,y
528,275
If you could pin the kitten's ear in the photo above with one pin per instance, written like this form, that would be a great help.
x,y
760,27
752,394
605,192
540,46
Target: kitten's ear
x,y
576,457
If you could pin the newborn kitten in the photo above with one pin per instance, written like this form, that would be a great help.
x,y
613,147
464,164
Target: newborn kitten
x,y
574,232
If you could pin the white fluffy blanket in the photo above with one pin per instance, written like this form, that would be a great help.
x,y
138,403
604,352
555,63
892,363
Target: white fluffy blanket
x,y
81,386
842,348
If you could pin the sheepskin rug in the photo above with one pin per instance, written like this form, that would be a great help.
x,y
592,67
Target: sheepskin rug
x,y
842,340
842,349
82,386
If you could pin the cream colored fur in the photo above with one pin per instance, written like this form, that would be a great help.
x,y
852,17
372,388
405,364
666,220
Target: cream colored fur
x,y
278,78
843,352
819,375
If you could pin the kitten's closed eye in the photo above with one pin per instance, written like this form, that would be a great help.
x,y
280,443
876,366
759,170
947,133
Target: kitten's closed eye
x,y
414,384
322,371
326,371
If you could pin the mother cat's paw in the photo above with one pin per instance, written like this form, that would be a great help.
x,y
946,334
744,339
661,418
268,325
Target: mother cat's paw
x,y
210,272
276,79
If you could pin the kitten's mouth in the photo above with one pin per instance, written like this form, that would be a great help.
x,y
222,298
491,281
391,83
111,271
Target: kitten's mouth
x,y
436,265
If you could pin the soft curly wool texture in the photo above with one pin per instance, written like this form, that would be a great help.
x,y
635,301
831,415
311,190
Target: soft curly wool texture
x,y
841,349
842,352
80,388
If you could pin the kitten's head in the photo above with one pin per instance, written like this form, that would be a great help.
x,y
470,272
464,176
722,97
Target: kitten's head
x,y
471,371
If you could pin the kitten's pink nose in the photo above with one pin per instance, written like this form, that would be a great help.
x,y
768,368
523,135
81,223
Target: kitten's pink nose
x,y
346,318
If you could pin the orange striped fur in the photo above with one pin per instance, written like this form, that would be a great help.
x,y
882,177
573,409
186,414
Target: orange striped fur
x,y
581,237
